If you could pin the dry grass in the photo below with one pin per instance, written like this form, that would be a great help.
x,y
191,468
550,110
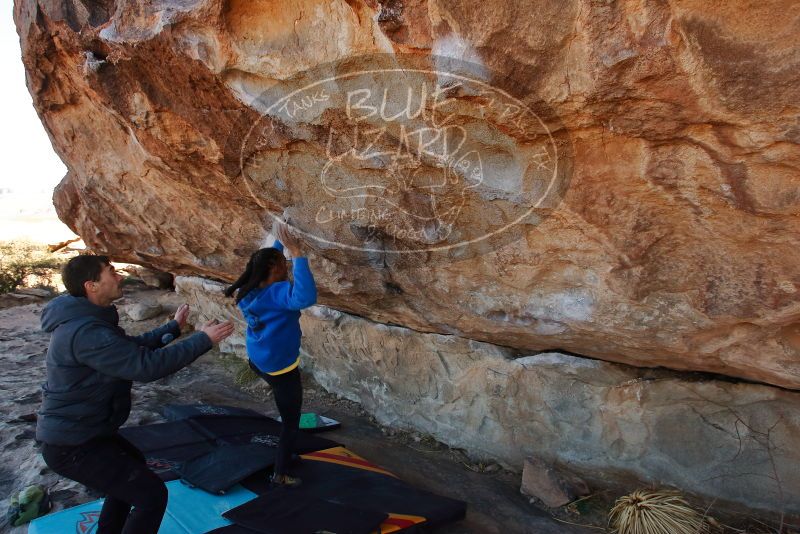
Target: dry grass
x,y
24,263
656,512
243,376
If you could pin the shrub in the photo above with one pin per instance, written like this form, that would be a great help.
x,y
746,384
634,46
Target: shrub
x,y
23,262
243,376
657,512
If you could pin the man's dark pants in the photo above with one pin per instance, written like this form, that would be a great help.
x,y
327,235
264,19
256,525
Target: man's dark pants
x,y
115,467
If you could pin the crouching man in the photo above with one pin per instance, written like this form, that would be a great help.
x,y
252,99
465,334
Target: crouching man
x,y
91,363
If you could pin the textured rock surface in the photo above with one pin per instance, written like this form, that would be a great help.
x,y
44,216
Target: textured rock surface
x,y
676,243
608,423
141,311
151,277
207,302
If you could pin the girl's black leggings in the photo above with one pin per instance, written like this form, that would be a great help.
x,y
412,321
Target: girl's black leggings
x,y
288,392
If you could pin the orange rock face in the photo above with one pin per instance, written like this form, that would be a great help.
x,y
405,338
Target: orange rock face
x,y
617,180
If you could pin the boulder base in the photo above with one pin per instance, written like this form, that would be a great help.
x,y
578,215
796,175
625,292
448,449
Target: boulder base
x,y
611,424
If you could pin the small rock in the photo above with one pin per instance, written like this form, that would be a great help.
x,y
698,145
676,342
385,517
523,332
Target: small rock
x,y
171,301
62,495
21,296
547,484
24,418
35,292
491,468
141,311
25,434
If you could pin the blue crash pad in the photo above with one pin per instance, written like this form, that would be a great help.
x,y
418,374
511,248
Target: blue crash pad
x,y
189,511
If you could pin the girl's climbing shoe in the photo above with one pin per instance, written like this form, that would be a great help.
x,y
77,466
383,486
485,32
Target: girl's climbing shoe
x,y
285,481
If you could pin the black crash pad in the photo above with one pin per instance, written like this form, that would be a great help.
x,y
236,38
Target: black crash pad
x,y
176,412
337,475
169,446
287,511
225,466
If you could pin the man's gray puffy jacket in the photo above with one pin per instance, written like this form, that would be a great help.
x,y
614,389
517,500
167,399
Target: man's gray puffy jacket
x,y
91,363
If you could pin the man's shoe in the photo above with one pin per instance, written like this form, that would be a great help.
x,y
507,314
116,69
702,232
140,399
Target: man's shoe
x,y
285,481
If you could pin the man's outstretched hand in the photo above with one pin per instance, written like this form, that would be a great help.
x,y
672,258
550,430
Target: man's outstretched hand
x,y
217,331
182,314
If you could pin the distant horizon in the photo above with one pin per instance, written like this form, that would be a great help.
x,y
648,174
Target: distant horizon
x,y
32,169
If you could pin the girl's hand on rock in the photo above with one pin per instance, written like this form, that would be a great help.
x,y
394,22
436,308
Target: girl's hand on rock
x,y
290,242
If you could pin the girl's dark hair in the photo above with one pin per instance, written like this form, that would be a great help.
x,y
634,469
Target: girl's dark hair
x,y
258,269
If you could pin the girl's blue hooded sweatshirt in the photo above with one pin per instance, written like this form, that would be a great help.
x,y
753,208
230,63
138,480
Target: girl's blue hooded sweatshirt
x,y
273,317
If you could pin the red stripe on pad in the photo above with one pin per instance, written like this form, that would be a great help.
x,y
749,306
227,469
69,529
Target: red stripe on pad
x,y
348,459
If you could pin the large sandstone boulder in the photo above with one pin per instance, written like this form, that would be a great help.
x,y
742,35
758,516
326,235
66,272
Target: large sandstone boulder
x,y
670,133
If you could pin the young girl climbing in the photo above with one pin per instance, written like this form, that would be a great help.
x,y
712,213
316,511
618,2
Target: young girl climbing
x,y
271,306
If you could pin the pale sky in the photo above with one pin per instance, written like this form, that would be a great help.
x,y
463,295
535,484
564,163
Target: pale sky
x,y
30,164
31,169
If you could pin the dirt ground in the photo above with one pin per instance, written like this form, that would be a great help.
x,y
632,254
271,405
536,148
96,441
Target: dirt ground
x,y
495,504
